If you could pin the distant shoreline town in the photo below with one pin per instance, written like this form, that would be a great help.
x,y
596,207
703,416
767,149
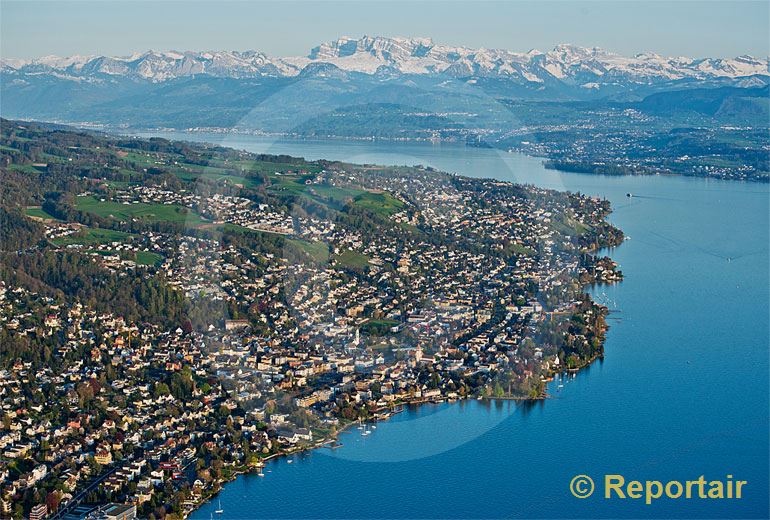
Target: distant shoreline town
x,y
555,156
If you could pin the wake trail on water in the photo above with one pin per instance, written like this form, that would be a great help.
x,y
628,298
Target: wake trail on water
x,y
637,202
654,197
683,244
753,253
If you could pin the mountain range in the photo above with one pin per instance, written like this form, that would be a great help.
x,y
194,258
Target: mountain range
x,y
589,68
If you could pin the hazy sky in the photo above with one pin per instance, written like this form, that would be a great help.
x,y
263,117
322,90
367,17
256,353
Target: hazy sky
x,y
691,28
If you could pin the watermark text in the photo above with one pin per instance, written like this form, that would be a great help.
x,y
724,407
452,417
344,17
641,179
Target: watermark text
x,y
619,487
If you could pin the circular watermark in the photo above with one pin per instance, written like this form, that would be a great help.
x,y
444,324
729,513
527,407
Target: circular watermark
x,y
581,486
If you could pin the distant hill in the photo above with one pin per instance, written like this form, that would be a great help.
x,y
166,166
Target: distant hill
x,y
723,103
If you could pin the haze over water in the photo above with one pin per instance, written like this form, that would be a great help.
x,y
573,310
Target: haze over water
x,y
682,391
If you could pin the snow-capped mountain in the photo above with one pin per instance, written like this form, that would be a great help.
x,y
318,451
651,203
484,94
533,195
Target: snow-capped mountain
x,y
157,66
339,87
569,64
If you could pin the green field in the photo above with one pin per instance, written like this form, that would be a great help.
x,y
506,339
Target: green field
x,y
215,166
352,259
266,167
149,212
37,211
92,236
25,168
335,193
383,203
148,258
49,158
521,250
235,228
318,251
218,178
569,226
143,160
283,183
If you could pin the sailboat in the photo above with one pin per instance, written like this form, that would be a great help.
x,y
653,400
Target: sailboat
x,y
219,511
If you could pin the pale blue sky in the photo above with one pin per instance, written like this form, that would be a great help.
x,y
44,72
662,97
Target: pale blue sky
x,y
691,28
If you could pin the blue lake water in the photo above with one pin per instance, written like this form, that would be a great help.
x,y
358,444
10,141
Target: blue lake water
x,y
682,391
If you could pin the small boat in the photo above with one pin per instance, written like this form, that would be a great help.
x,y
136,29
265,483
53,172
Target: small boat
x,y
290,461
219,510
374,427
260,474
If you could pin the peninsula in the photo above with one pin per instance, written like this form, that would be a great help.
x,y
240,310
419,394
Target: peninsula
x,y
174,314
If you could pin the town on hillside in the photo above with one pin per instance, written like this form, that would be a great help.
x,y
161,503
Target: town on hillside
x,y
175,314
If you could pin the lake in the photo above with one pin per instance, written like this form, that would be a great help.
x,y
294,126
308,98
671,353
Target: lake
x,y
682,391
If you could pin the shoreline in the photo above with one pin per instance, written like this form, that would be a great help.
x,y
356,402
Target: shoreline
x,y
333,439
548,162
325,441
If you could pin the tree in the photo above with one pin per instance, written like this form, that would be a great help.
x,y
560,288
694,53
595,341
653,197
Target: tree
x,y
161,389
52,500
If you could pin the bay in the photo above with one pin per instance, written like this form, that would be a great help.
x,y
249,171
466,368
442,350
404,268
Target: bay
x,y
682,391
